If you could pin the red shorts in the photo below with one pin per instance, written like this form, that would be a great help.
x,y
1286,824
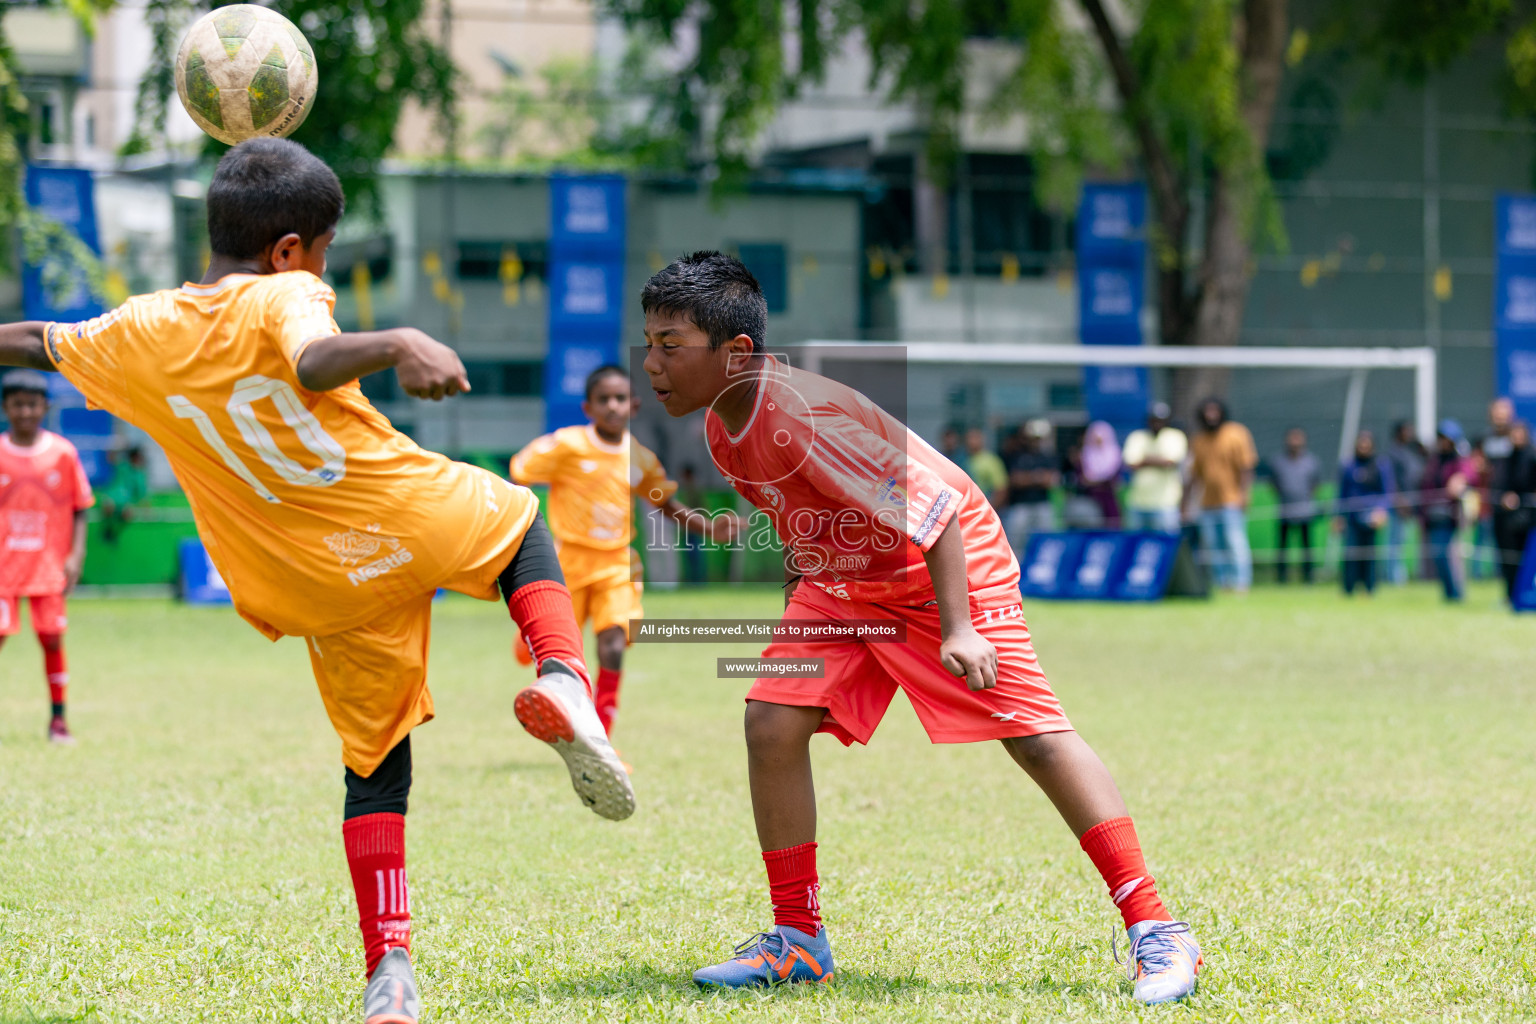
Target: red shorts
x,y
47,614
861,678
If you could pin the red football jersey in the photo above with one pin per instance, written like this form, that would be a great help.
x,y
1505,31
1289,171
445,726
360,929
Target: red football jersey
x,y
41,489
855,496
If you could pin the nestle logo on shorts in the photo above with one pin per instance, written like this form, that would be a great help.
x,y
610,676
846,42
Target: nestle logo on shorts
x,y
778,668
373,570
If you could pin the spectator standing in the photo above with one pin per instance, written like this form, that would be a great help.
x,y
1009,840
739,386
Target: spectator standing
x,y
985,467
1222,470
1366,489
1407,456
1297,473
1514,506
949,446
1097,472
128,486
1493,448
1155,458
1031,475
1447,473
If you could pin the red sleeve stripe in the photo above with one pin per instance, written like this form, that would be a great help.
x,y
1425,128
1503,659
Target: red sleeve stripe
x,y
926,527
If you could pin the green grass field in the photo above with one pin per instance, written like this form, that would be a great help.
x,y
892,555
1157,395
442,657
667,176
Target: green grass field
x,y
1337,794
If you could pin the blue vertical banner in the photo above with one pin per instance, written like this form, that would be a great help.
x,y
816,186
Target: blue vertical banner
x,y
1514,302
68,195
1111,285
586,288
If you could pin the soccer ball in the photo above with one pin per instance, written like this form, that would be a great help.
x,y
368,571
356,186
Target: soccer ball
x,y
245,71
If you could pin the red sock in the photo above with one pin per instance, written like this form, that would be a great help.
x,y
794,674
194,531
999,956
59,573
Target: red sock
x,y
376,857
57,670
1115,851
543,613
793,887
607,697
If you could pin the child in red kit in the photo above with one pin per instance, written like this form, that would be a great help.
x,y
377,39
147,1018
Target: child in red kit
x,y
876,525
43,498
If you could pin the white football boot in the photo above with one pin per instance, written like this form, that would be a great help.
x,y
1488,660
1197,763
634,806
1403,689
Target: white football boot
x,y
558,710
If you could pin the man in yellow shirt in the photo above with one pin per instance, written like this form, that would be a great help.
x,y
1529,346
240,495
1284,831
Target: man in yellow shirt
x,y
325,521
594,473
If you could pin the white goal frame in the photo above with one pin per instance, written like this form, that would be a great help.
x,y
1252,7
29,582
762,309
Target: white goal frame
x,y
1422,362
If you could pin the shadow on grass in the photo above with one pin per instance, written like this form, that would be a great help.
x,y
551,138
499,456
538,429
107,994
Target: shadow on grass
x,y
641,982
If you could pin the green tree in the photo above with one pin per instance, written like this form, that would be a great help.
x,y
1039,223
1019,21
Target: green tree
x,y
44,242
1195,83
374,56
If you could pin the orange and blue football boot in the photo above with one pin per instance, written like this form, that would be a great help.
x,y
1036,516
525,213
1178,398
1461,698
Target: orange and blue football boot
x,y
776,957
1162,961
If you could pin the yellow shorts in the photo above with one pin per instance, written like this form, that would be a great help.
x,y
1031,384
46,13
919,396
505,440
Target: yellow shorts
x,y
373,679
605,585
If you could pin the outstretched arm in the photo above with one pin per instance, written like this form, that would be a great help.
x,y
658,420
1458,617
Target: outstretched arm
x,y
22,344
426,368
721,529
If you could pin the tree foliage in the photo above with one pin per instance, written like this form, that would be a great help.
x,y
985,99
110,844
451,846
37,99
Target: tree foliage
x,y
374,56
44,242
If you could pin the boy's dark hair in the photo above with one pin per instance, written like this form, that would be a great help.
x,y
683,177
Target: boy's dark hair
x,y
606,370
23,382
717,292
265,188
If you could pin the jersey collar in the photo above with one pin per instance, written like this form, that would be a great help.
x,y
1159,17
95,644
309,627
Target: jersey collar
x,y
44,443
770,368
217,286
604,446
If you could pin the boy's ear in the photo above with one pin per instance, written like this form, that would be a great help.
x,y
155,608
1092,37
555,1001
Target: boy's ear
x,y
740,349
285,253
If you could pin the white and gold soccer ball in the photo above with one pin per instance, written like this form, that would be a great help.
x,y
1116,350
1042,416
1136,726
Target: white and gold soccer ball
x,y
245,71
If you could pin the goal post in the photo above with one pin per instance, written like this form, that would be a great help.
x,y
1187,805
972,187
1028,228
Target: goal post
x,y
1359,362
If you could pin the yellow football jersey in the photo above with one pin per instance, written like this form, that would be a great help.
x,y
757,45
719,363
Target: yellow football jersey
x,y
592,484
319,515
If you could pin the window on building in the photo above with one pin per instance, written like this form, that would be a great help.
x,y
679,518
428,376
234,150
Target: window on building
x,y
769,263
487,259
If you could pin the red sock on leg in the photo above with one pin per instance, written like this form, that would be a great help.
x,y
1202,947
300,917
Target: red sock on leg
x,y
376,857
57,670
1114,849
606,697
793,886
543,614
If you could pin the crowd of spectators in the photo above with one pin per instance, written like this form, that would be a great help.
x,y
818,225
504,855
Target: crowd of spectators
x,y
1474,502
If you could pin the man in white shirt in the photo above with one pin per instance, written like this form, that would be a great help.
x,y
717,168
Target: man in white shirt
x,y
1155,456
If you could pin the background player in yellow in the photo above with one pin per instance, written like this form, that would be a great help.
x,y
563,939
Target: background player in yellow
x,y
325,521
594,473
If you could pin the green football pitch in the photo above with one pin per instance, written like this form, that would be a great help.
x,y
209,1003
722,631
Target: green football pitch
x,y
1340,796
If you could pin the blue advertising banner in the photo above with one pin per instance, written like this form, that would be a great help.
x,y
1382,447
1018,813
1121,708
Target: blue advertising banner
x,y
1524,599
200,581
1514,302
67,195
587,224
1147,566
1049,562
1098,566
1111,277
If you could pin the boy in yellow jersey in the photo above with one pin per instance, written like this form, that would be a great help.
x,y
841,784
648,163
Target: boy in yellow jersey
x,y
325,521
594,473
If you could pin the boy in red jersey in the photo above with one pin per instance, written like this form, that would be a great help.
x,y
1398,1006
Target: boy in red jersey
x,y
876,525
43,498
